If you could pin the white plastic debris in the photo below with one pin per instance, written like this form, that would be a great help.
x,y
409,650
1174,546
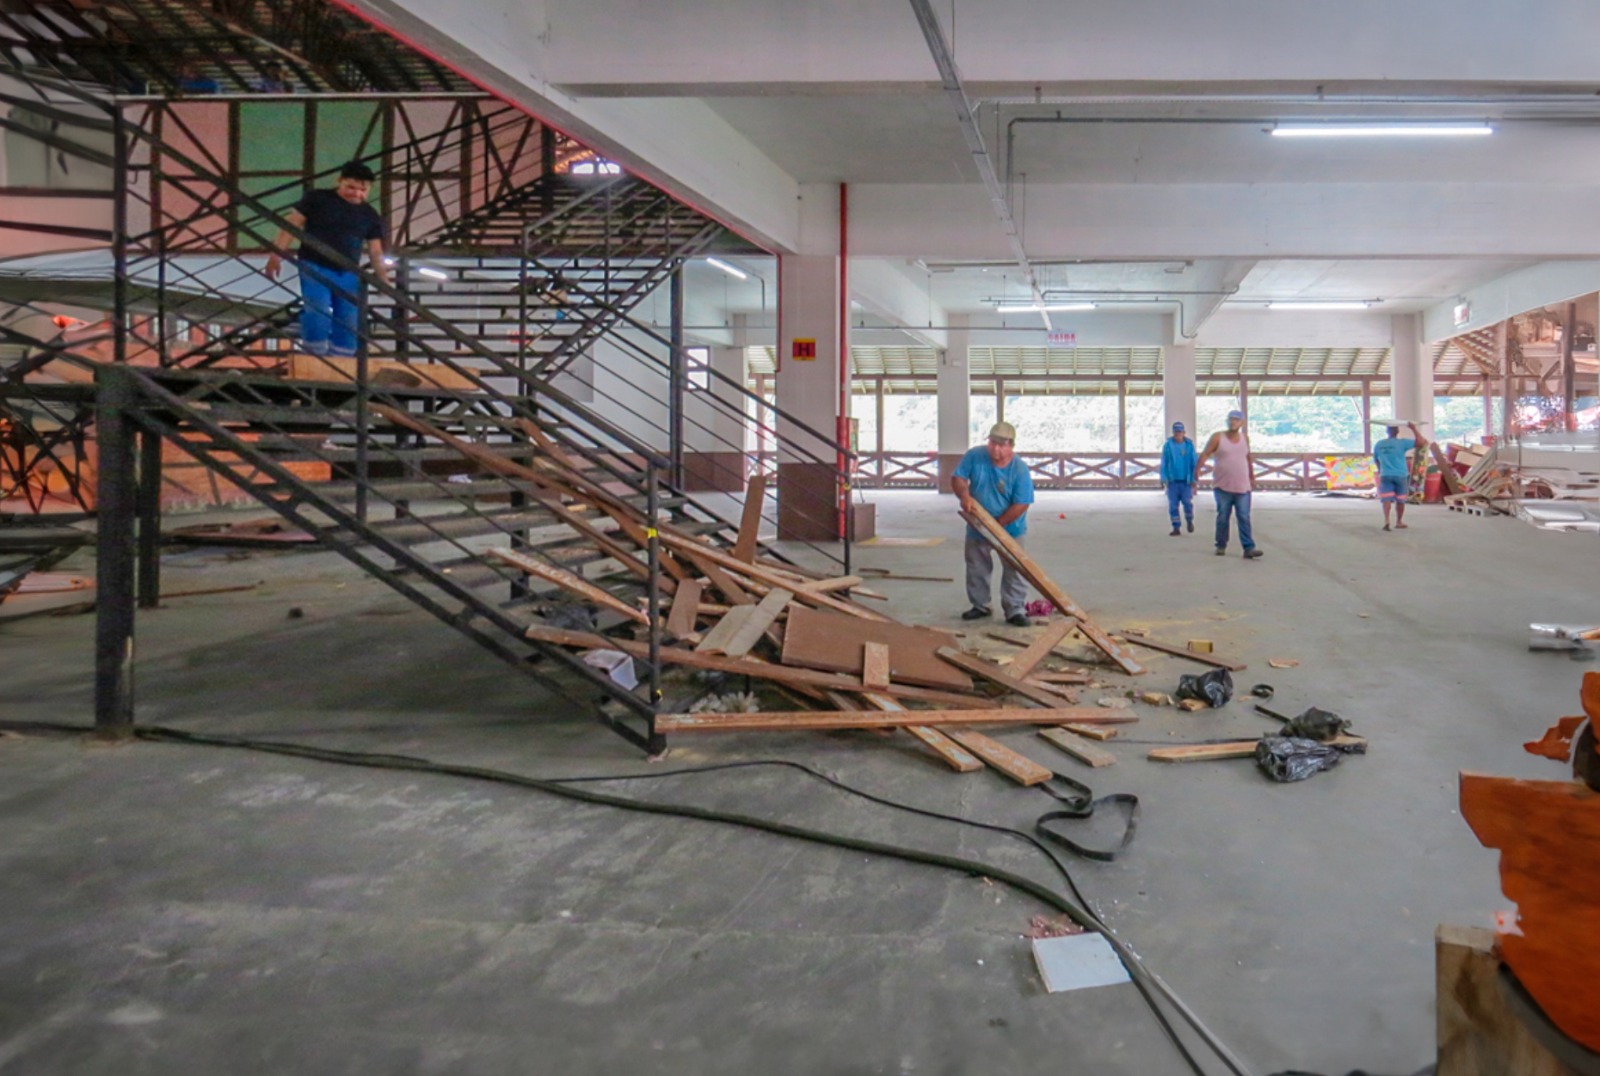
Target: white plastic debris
x,y
615,664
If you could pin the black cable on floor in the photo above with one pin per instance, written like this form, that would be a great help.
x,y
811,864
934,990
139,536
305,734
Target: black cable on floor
x,y
1145,981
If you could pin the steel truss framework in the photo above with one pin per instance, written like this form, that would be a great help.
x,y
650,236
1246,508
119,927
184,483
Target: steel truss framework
x,y
170,333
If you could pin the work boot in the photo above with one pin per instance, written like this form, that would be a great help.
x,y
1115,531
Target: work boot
x,y
1191,526
974,613
1175,533
1017,620
1221,552
1253,554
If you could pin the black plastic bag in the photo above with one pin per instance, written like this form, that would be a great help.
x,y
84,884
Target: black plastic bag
x,y
1316,724
1214,687
1294,758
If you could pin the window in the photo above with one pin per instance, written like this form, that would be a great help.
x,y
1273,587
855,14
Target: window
x,y
596,168
1460,418
699,368
1307,424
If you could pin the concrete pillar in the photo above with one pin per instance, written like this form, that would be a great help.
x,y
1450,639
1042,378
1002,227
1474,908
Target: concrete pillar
x,y
1178,387
1410,373
808,394
955,400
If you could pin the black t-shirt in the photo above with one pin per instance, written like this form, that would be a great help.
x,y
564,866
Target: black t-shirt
x,y
343,226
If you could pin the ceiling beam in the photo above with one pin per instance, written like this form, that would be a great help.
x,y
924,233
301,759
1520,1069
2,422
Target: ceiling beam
x,y
1524,289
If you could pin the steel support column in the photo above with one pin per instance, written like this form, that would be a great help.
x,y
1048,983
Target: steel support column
x,y
149,508
116,501
677,379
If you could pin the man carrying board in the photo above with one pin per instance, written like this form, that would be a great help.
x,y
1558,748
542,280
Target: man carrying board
x,y
993,476
1394,471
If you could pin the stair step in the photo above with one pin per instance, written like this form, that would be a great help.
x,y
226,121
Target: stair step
x,y
453,526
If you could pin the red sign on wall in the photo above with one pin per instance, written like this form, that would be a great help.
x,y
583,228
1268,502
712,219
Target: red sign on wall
x,y
804,350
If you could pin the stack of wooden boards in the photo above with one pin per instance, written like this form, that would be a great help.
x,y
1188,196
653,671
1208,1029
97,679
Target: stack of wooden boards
x,y
1488,487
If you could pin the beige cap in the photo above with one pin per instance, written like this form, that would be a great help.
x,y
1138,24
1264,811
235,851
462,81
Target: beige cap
x,y
1003,430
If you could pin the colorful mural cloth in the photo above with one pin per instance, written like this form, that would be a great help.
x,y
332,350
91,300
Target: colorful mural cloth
x,y
1351,472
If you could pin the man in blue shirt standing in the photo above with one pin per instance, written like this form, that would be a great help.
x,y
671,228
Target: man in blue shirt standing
x,y
1177,476
1394,472
992,476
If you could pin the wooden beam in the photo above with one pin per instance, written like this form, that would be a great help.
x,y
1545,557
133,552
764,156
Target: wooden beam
x,y
569,582
1209,752
744,547
1093,732
994,674
685,609
1183,652
833,719
1010,549
1020,768
954,755
1447,473
1023,664
875,665
760,618
809,678
1079,748
762,574
725,584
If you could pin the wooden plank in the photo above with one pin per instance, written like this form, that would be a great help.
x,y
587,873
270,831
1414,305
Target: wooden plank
x,y
875,665
1209,752
569,582
818,639
1546,833
994,674
1452,481
1048,640
685,609
1177,651
774,720
1019,768
762,574
829,585
958,758
1478,1033
1079,748
1093,732
1009,549
760,670
762,614
1055,689
725,584
722,632
755,491
1061,677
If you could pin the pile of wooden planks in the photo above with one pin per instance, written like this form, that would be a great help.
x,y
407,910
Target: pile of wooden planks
x,y
729,606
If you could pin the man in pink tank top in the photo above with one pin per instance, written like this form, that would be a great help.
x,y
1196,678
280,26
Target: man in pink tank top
x,y
1233,483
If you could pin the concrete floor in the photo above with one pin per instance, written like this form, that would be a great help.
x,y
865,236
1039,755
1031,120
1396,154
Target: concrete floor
x,y
174,909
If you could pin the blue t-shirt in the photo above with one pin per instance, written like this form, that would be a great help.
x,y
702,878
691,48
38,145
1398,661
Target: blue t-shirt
x,y
1391,456
997,488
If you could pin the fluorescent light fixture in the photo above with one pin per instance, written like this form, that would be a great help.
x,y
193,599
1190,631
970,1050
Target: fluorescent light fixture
x,y
1313,305
731,270
1382,130
1035,308
430,271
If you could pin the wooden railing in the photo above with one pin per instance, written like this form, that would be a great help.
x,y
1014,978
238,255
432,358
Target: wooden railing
x,y
1094,470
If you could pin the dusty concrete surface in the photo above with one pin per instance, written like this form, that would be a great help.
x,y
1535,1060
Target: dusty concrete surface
x,y
173,909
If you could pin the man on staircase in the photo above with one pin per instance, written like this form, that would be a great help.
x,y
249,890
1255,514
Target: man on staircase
x,y
337,223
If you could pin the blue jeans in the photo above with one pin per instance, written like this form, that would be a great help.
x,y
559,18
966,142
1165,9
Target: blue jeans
x,y
1180,493
332,309
1239,504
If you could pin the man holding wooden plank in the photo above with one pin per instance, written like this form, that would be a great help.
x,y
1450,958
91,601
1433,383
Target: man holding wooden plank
x,y
1394,471
991,475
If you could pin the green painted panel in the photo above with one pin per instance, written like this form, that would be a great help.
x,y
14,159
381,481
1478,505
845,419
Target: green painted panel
x,y
272,136
342,132
263,187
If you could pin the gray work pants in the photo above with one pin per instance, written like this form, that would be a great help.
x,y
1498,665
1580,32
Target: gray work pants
x,y
979,556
